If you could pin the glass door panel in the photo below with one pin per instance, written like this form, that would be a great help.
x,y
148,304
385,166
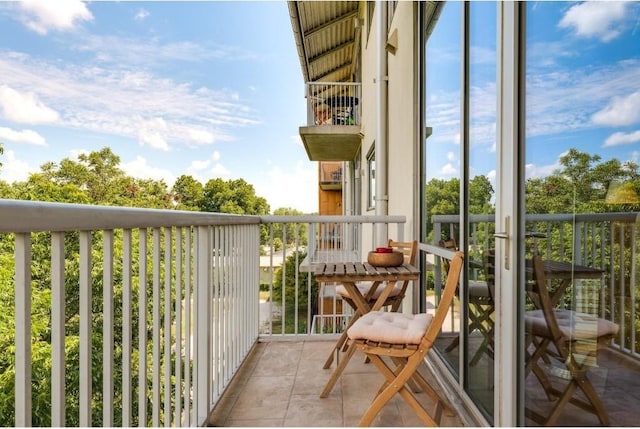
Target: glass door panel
x,y
481,174
582,188
442,163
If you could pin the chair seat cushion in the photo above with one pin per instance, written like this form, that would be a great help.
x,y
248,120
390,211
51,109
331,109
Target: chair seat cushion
x,y
572,324
390,327
365,287
478,289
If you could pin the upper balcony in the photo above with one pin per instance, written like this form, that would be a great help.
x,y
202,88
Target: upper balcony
x,y
330,176
333,131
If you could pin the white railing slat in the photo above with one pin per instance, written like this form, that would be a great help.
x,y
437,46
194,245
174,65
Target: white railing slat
x,y
85,329
22,256
127,334
107,328
142,329
57,330
155,367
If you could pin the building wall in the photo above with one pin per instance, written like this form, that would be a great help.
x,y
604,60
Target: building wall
x,y
402,168
402,123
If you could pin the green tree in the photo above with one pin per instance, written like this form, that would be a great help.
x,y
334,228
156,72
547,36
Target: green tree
x,y
188,193
292,294
233,196
295,232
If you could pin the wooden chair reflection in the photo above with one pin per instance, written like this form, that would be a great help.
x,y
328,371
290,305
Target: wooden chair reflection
x,y
480,304
405,339
565,343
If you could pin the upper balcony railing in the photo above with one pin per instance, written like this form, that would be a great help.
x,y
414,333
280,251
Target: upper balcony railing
x,y
333,103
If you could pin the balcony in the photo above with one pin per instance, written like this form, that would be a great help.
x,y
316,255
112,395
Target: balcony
x,y
330,176
333,129
213,352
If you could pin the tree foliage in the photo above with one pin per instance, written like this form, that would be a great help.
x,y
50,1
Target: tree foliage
x,y
92,178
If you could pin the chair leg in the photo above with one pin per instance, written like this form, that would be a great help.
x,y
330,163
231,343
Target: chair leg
x,y
338,371
396,384
342,341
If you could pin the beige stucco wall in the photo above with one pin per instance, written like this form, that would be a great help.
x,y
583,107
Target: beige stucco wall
x,y
402,127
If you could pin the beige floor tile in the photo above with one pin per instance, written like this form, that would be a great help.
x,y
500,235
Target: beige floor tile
x,y
279,358
313,411
265,423
264,397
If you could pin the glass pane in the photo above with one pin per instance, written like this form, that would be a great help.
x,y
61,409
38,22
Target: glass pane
x,y
582,203
482,168
442,163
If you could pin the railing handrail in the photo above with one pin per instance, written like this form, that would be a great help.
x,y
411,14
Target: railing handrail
x,y
333,218
31,216
555,217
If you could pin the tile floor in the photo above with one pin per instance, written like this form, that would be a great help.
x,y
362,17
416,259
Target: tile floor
x,y
280,384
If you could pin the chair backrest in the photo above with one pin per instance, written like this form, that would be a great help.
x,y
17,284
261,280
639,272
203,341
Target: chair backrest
x,y
453,276
408,248
489,266
449,244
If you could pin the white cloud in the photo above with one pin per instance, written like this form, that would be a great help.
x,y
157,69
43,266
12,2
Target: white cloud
x,y
90,97
44,15
451,156
139,168
620,111
15,170
141,14
595,19
24,136
533,171
152,133
448,169
219,170
620,138
24,107
296,187
197,166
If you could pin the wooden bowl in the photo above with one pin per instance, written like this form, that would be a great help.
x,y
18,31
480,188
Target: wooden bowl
x,y
389,259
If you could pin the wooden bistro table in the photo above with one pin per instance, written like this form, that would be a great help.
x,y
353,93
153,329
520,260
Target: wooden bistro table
x,y
348,274
565,272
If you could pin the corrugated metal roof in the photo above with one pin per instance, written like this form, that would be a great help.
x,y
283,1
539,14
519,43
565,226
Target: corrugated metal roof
x,y
327,36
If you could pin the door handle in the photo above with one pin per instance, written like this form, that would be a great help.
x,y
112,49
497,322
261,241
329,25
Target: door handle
x,y
507,237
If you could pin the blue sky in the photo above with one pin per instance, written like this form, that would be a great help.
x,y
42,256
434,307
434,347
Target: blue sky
x,y
583,85
210,89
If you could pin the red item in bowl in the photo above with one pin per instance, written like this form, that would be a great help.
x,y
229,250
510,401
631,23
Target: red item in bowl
x,y
384,249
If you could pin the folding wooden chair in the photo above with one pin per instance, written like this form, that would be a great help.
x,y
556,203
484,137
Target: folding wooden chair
x,y
406,339
371,292
569,339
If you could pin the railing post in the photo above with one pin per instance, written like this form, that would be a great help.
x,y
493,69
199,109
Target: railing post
x,y
202,370
86,379
23,329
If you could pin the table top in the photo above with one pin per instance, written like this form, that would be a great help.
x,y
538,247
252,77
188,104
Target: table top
x,y
566,270
362,271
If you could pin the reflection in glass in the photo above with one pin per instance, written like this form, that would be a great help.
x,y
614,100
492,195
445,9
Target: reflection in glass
x,y
582,184
442,161
479,364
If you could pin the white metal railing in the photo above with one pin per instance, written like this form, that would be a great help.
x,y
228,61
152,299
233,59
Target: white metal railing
x,y
609,241
152,312
196,316
333,103
306,308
